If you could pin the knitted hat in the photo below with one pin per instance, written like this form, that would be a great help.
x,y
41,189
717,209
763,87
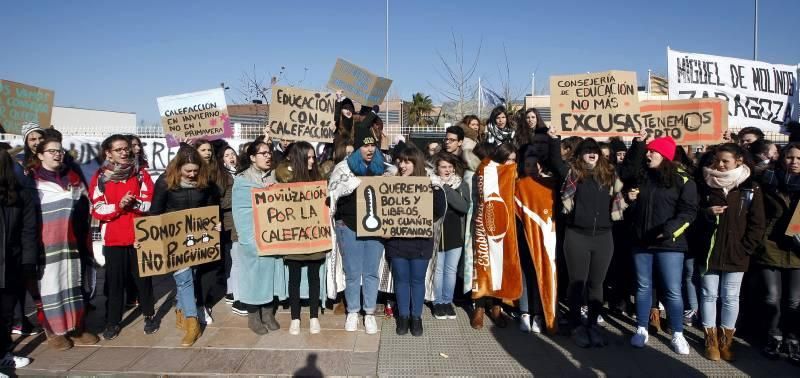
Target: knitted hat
x,y
587,146
664,146
617,145
29,127
363,132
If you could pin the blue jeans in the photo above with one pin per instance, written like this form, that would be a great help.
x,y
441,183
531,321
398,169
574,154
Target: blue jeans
x,y
444,277
670,267
184,283
726,285
409,285
690,283
361,259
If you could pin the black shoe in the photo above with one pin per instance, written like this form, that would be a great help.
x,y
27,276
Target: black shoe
x,y
239,309
26,329
773,348
151,325
793,351
580,335
229,298
416,326
402,325
438,311
449,310
111,332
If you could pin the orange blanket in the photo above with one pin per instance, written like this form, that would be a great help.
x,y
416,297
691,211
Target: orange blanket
x,y
535,201
496,268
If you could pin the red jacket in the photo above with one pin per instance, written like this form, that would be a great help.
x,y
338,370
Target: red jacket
x,y
116,225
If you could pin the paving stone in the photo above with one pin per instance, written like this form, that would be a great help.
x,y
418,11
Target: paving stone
x,y
111,359
163,360
271,362
232,338
325,340
323,363
45,358
367,343
220,361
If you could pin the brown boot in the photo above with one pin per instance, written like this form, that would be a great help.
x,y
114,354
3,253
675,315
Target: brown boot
x,y
712,349
477,318
179,319
497,316
655,320
192,331
726,343
61,343
340,308
81,337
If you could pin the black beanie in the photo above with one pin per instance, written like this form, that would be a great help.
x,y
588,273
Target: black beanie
x,y
617,146
363,132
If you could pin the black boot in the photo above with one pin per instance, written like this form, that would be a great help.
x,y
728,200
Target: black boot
x,y
402,324
268,318
416,326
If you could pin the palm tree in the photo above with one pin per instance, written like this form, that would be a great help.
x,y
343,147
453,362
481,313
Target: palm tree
x,y
419,108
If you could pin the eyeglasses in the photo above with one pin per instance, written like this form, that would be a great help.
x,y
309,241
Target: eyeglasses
x,y
450,140
55,152
121,150
264,153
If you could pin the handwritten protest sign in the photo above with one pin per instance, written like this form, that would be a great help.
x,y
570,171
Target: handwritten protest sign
x,y
358,84
169,242
758,93
695,121
395,207
195,115
21,103
299,114
794,223
599,104
292,219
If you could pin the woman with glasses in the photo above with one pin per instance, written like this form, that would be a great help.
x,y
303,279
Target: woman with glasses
x,y
65,239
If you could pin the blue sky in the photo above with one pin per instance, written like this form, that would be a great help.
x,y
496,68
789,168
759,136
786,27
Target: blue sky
x,y
122,55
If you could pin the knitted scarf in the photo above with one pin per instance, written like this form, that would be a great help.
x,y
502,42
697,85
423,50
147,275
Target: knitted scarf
x,y
117,172
453,181
497,136
727,180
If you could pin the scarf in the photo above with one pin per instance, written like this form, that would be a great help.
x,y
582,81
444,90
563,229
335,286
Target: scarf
x,y
497,136
360,168
117,172
453,181
727,180
60,177
188,184
231,170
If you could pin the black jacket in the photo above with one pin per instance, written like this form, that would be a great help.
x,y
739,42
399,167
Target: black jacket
x,y
728,240
19,237
661,215
165,201
453,227
417,248
591,214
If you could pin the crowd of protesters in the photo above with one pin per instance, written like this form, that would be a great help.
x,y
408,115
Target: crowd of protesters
x,y
597,225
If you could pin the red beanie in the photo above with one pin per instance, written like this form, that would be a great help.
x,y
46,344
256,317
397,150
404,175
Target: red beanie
x,y
664,146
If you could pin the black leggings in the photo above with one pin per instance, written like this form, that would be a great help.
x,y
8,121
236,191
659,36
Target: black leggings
x,y
8,297
295,268
782,286
587,260
121,266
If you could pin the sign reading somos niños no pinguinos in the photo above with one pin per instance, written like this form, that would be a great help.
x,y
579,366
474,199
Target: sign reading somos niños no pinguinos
x,y
172,241
599,104
358,84
195,115
21,103
394,207
695,121
299,114
292,219
758,94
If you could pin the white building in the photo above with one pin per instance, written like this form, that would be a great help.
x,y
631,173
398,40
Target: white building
x,y
89,122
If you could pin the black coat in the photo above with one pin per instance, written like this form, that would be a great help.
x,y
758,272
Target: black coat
x,y
728,240
18,239
165,200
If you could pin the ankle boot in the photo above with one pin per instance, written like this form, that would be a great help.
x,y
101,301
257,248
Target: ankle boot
x,y
192,331
268,318
402,325
497,317
712,348
726,343
59,342
476,321
80,337
655,320
416,326
255,324
179,319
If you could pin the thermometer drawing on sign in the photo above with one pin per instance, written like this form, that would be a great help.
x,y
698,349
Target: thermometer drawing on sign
x,y
370,221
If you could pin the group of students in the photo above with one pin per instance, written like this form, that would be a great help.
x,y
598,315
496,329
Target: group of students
x,y
516,211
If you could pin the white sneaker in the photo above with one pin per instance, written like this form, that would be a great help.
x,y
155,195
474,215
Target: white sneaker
x,y
679,344
538,324
600,319
525,323
12,361
351,324
314,328
370,325
294,327
640,338
584,314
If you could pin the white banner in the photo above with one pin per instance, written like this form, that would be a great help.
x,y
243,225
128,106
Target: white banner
x,y
759,94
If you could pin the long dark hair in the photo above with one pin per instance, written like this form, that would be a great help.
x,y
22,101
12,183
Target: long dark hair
x,y
9,186
524,132
298,161
603,172
502,153
458,164
666,174
496,112
29,156
35,162
251,150
415,156
224,178
141,160
109,142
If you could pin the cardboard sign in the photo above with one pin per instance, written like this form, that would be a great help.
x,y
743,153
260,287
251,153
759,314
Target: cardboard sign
x,y
21,103
794,223
602,104
169,242
195,115
395,207
759,94
696,121
298,114
358,84
291,219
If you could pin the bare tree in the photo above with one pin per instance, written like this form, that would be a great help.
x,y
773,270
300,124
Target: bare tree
x,y
253,86
510,92
457,74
